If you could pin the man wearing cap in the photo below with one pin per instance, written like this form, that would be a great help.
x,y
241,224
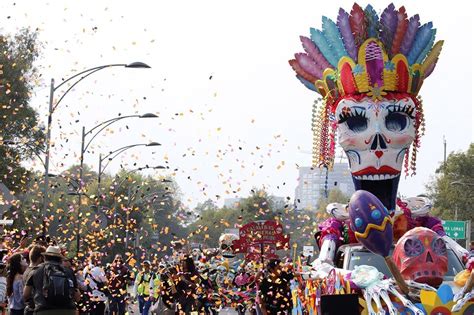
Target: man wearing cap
x,y
35,285
143,288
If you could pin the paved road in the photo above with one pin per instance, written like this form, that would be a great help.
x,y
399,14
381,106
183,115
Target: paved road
x,y
227,311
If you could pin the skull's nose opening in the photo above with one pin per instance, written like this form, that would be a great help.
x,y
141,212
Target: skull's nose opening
x,y
429,258
385,190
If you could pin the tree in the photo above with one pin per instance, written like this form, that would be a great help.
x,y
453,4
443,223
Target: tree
x,y
22,135
452,188
335,195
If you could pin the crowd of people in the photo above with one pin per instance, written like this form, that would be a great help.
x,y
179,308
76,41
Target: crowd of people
x,y
40,278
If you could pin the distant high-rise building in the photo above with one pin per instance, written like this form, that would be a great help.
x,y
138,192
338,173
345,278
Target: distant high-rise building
x,y
312,184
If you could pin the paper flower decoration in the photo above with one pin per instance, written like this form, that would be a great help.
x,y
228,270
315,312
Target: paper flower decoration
x,y
441,302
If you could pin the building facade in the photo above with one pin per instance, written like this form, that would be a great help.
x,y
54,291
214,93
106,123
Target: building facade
x,y
312,184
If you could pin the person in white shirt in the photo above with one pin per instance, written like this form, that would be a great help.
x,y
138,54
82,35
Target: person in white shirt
x,y
96,281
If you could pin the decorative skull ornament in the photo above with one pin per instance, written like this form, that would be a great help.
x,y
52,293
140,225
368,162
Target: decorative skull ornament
x,y
375,135
421,256
225,244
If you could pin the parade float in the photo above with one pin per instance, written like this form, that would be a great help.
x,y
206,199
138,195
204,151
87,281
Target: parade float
x,y
369,71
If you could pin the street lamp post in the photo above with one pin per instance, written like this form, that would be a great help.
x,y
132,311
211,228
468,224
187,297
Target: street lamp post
x,y
84,148
113,154
78,77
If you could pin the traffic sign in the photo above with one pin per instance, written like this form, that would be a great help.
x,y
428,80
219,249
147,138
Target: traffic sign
x,y
455,229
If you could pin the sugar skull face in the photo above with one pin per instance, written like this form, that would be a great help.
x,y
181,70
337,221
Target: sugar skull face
x,y
421,255
225,244
376,135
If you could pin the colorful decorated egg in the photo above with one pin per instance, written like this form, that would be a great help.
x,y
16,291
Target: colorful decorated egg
x,y
371,222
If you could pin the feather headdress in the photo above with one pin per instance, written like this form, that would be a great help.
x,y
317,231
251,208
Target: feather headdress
x,y
364,54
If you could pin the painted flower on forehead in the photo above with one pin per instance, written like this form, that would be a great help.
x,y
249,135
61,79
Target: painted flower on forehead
x,y
369,71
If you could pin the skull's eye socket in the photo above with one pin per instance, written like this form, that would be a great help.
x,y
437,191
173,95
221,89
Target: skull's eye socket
x,y
413,247
357,123
396,121
439,247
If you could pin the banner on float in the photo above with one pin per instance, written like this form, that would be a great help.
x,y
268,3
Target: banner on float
x,y
261,237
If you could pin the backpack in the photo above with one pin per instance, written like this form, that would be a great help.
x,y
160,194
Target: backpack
x,y
57,286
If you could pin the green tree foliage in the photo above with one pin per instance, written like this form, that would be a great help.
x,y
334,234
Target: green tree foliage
x,y
452,188
144,206
22,137
213,221
334,195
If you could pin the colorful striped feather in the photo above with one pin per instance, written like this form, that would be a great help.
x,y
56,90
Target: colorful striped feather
x,y
400,32
331,32
412,28
432,58
373,25
299,70
346,33
388,26
358,25
314,53
308,65
321,42
430,69
421,40
427,48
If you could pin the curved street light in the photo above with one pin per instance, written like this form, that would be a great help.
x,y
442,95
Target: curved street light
x,y
79,76
113,154
26,144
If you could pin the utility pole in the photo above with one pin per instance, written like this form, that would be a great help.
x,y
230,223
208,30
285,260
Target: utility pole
x,y
444,144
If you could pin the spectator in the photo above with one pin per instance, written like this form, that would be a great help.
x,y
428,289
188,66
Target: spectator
x,y
36,258
186,287
17,266
3,288
143,288
119,277
96,281
167,288
275,292
45,280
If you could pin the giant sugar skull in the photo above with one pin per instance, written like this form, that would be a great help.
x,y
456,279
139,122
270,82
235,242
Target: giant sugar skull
x,y
369,69
421,256
376,134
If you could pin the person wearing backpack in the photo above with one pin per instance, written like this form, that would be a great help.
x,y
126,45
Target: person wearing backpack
x,y
54,287
144,287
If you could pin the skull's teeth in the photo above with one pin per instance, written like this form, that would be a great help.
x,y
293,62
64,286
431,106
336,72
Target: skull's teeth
x,y
375,177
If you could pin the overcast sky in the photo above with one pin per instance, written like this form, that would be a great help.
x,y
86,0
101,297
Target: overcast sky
x,y
232,116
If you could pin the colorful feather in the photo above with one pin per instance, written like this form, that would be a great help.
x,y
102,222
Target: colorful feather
x,y
421,40
346,33
306,83
314,53
432,58
299,70
358,26
331,32
427,48
400,32
412,28
308,65
430,69
388,26
373,25
321,42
